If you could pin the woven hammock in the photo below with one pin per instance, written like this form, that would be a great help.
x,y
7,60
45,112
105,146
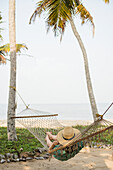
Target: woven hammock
x,y
94,134
38,123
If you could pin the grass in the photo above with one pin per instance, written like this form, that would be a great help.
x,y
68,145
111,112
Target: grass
x,y
25,140
105,137
29,143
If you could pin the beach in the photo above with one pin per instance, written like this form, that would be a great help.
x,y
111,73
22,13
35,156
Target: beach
x,y
87,158
3,123
95,159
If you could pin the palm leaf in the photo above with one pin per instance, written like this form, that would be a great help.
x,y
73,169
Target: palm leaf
x,y
106,1
85,15
59,13
41,6
5,49
2,58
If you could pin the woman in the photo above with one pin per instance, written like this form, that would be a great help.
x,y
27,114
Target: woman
x,y
63,137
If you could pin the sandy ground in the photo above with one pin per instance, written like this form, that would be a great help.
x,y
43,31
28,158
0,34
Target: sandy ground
x,y
94,159
3,123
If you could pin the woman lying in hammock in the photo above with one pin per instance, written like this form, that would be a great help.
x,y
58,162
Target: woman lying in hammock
x,y
63,137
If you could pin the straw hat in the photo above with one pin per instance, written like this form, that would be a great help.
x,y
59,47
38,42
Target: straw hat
x,y
67,134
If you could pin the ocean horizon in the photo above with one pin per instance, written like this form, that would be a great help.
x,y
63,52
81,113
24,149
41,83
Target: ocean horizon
x,y
81,111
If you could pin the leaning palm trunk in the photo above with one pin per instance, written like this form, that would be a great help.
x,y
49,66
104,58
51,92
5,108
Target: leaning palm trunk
x,y
11,103
88,79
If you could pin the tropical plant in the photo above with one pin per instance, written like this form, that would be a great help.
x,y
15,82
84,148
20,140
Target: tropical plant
x,y
2,58
59,12
5,49
11,131
106,1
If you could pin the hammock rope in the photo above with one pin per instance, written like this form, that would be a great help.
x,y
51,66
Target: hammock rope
x,y
87,137
39,122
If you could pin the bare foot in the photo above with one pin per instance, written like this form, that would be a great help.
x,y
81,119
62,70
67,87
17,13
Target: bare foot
x,y
49,135
46,138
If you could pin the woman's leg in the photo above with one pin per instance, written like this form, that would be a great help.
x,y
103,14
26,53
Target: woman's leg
x,y
49,143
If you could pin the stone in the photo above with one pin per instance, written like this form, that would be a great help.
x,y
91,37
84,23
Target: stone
x,y
29,158
20,159
2,156
8,161
21,149
39,158
15,156
13,160
31,154
2,161
11,156
40,150
95,146
45,156
8,155
17,159
37,154
24,154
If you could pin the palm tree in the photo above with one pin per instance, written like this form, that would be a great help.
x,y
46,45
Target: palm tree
x,y
59,12
12,94
5,49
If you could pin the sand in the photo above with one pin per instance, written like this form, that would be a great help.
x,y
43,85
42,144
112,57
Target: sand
x,y
95,159
3,123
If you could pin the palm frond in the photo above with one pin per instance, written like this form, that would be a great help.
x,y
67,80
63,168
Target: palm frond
x,y
5,49
59,13
41,6
106,1
20,47
85,15
2,58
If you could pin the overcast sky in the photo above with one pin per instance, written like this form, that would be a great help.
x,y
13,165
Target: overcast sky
x,y
55,73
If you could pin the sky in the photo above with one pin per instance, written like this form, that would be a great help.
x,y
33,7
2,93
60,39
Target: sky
x,y
55,74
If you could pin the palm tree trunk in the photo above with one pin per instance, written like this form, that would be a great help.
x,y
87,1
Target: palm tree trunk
x,y
88,79
11,102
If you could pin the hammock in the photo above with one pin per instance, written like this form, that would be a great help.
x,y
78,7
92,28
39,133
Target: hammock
x,y
94,134
39,122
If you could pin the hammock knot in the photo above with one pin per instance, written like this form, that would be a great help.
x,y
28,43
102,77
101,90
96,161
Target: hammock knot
x,y
99,116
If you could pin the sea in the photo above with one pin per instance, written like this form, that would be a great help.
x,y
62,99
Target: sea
x,y
81,111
